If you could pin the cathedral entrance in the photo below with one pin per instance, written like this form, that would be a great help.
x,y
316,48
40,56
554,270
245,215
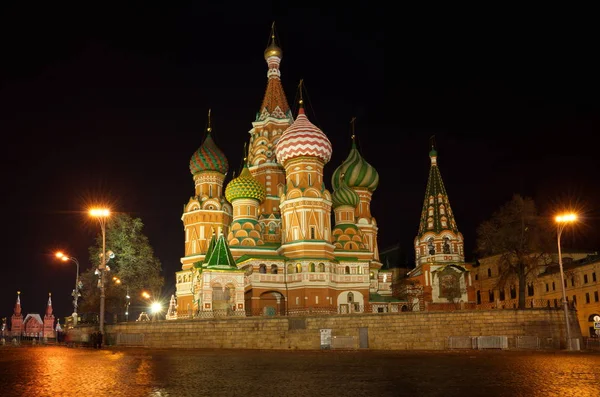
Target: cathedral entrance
x,y
271,303
222,299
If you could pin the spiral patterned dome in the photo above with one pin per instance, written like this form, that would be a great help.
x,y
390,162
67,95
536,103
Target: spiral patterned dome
x,y
208,158
245,186
303,138
344,196
356,172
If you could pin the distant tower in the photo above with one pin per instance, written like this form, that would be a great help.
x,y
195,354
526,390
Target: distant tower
x,y
438,240
361,177
271,121
48,331
346,235
16,321
305,205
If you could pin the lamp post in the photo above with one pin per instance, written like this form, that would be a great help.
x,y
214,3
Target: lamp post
x,y
101,214
65,258
562,221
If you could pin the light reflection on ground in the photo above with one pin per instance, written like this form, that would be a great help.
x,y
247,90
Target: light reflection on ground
x,y
61,371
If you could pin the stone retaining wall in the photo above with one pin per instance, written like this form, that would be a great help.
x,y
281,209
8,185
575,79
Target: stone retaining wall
x,y
382,331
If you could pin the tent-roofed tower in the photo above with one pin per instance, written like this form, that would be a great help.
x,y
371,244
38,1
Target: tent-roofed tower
x,y
440,269
438,239
272,119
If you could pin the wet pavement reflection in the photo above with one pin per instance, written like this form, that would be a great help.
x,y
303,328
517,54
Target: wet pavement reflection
x,y
62,371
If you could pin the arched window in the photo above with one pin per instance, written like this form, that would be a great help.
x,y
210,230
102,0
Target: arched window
x,y
290,268
321,267
347,269
262,268
430,246
311,267
298,268
273,269
371,275
350,297
446,245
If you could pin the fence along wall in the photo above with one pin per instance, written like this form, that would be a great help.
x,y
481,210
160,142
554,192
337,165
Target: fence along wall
x,y
382,331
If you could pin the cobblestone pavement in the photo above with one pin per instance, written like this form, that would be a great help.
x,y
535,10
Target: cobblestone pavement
x,y
62,371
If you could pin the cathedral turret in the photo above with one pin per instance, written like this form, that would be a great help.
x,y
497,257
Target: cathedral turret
x,y
438,239
207,210
346,235
273,117
361,177
305,202
245,194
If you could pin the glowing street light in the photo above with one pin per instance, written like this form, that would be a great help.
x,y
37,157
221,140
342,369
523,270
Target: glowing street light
x,y
562,221
66,258
101,214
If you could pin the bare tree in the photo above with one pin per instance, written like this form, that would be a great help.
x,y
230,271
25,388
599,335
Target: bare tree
x,y
410,291
520,240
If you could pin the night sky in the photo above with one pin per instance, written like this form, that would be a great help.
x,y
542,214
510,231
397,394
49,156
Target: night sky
x,y
108,105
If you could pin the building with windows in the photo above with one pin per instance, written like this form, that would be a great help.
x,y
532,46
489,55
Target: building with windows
x,y
581,273
276,239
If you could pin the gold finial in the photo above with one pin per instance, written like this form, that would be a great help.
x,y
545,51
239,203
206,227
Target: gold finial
x,y
49,293
209,128
18,292
272,49
245,153
352,124
301,101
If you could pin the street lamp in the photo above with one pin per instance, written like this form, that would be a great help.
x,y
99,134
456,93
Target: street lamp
x,y
101,214
562,221
65,258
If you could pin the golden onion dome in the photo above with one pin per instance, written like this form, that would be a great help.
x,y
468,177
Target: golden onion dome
x,y
273,50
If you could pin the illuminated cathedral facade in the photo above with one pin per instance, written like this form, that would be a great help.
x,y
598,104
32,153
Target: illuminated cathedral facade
x,y
276,239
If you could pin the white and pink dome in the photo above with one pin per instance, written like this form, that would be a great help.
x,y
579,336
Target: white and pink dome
x,y
303,138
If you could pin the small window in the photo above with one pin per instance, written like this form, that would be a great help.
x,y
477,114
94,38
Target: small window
x,y
502,295
594,277
585,279
595,296
530,290
547,288
312,233
311,267
479,297
491,296
513,292
273,269
489,272
553,286
476,277
309,180
587,297
572,281
262,269
347,269
298,268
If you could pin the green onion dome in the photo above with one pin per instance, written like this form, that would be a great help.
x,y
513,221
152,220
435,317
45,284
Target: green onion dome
x,y
208,158
343,195
245,186
356,172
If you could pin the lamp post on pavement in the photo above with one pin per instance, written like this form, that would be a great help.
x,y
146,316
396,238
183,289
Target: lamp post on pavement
x,y
102,214
562,221
65,258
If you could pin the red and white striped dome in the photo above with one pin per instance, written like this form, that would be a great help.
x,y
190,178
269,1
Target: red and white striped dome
x,y
303,138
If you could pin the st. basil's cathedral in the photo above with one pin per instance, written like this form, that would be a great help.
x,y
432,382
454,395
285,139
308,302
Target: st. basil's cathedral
x,y
264,244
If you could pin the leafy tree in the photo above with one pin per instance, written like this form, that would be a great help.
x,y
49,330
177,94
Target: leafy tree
x,y
134,264
519,239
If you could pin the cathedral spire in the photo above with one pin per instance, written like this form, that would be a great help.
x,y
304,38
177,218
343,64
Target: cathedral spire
x,y
436,215
274,102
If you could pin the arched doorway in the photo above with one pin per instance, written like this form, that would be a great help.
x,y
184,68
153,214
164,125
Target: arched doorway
x,y
272,303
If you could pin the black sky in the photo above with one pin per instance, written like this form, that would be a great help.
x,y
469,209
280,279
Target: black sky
x,y
109,103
